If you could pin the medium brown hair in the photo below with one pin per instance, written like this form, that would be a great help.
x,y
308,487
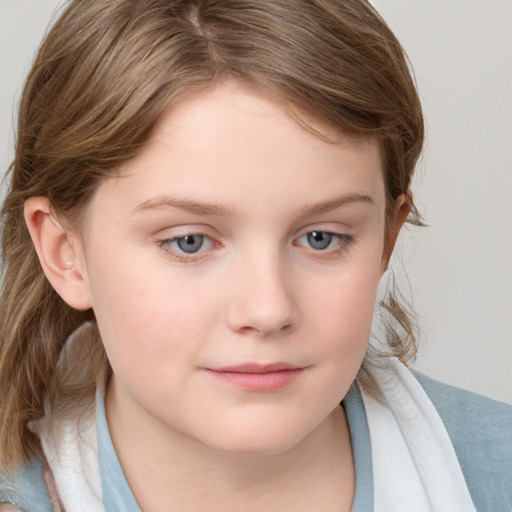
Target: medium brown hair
x,y
103,76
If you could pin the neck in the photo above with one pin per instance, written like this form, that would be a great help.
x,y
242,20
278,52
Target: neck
x,y
169,472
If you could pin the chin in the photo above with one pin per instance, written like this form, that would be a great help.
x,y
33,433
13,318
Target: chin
x,y
256,447
257,439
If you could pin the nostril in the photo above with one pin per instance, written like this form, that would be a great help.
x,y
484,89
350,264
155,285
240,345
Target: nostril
x,y
266,331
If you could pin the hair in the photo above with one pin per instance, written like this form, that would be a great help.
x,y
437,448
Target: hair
x,y
103,76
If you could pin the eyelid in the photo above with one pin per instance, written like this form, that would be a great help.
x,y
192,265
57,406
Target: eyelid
x,y
337,229
345,239
165,241
166,238
341,236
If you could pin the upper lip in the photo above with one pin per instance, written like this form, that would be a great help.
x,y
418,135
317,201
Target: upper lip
x,y
257,368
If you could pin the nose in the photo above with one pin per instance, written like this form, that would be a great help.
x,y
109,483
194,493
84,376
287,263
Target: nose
x,y
262,300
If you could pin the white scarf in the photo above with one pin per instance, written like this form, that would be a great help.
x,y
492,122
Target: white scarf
x,y
415,467
71,450
414,464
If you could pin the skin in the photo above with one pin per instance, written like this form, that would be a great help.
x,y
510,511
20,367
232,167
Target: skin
x,y
230,164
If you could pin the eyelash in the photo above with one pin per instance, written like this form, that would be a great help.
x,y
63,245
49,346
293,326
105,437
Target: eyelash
x,y
183,257
344,241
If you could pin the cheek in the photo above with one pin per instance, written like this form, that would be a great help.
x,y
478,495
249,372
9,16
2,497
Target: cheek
x,y
341,314
346,301
148,316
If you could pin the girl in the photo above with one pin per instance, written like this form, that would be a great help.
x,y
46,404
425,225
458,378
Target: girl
x,y
204,198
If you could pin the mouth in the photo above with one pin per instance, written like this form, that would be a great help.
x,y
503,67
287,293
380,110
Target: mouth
x,y
263,378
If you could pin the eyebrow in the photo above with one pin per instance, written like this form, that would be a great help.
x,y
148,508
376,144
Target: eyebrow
x,y
202,208
188,205
336,202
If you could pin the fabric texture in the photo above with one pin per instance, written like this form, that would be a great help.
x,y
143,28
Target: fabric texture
x,y
480,430
361,450
27,489
415,466
71,449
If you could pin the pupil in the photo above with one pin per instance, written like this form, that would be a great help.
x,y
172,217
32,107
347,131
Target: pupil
x,y
190,243
319,240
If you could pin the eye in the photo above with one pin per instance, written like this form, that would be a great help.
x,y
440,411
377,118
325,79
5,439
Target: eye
x,y
187,245
323,240
319,240
190,244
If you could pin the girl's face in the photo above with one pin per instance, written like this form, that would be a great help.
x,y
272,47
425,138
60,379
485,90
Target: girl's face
x,y
233,268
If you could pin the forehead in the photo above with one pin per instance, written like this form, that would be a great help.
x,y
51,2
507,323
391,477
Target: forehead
x,y
232,144
235,104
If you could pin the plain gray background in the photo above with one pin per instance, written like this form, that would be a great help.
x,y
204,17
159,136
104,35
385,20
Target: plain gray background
x,y
460,267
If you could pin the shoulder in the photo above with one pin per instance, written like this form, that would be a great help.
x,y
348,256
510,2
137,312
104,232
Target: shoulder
x,y
25,489
481,432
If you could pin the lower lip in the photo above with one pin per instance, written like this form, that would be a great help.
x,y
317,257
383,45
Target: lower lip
x,y
261,382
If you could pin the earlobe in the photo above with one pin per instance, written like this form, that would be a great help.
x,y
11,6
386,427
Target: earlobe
x,y
401,210
59,253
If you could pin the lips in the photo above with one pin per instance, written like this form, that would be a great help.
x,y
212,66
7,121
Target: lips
x,y
258,368
258,377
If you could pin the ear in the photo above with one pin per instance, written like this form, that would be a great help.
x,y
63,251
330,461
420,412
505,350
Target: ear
x,y
401,210
60,253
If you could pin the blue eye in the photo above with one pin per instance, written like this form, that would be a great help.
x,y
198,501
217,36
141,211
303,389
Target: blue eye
x,y
190,244
187,248
325,241
319,240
